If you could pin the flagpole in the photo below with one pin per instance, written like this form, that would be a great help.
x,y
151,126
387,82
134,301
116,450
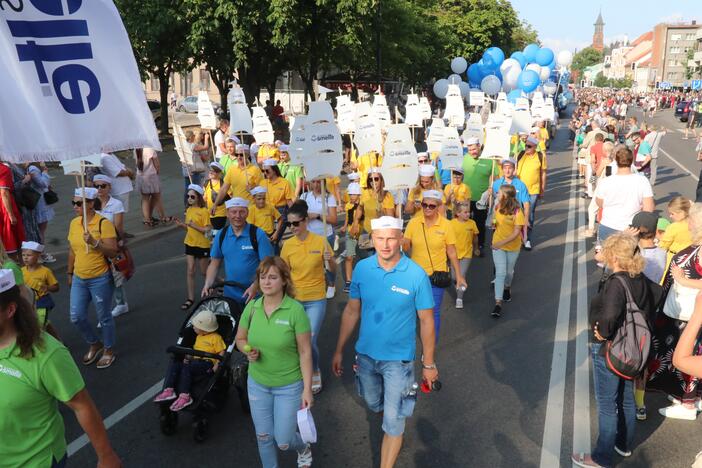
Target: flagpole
x,y
324,217
211,145
85,208
176,134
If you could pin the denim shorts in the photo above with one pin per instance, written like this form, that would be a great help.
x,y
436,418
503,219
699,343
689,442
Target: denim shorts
x,y
387,386
350,246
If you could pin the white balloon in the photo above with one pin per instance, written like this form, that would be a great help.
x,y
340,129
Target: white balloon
x,y
550,88
459,65
508,64
565,58
464,87
510,78
441,88
535,67
491,85
544,73
454,79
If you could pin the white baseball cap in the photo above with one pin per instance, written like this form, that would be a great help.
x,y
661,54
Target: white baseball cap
x,y
270,162
258,190
216,165
102,178
386,222
354,188
426,170
354,176
434,194
242,148
472,141
283,148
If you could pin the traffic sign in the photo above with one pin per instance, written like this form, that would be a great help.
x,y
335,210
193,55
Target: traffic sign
x,y
696,84
664,85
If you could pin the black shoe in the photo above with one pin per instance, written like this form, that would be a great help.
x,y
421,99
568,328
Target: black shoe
x,y
128,235
507,295
497,311
347,287
586,196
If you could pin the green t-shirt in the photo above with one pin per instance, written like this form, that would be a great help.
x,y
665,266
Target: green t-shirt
x,y
275,339
476,175
30,423
16,271
227,161
291,173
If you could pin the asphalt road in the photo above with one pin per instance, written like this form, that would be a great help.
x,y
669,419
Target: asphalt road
x,y
510,397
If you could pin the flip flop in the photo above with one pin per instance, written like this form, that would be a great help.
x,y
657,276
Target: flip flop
x,y
106,361
91,355
186,305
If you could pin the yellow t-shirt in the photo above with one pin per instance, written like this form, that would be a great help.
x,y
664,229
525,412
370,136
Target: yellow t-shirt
x,y
438,237
365,162
201,218
279,192
529,171
676,237
209,343
306,262
372,208
461,193
504,226
238,178
331,184
268,151
211,190
465,233
264,218
91,263
41,277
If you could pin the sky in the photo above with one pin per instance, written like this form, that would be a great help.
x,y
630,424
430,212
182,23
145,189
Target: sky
x,y
569,24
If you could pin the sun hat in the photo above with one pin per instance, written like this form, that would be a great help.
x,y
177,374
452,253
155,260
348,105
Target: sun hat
x,y
205,320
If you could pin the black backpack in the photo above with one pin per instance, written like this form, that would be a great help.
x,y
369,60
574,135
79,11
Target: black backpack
x,y
627,353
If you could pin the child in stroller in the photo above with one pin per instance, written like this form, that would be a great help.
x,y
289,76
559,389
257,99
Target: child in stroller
x,y
181,373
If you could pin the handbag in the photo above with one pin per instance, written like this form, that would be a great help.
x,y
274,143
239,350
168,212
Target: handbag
x,y
680,301
122,266
27,197
50,197
438,279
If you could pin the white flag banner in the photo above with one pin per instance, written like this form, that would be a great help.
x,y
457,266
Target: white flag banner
x,y
381,111
345,114
75,166
454,113
368,137
205,111
399,168
521,122
182,147
261,126
297,140
476,98
70,86
413,113
451,155
425,108
323,155
549,110
537,112
474,128
240,119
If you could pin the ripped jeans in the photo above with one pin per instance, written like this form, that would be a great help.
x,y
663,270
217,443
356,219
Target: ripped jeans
x,y
274,414
98,291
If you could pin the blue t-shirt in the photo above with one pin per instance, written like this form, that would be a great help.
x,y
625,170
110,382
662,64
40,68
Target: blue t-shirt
x,y
389,304
444,174
644,149
519,186
240,259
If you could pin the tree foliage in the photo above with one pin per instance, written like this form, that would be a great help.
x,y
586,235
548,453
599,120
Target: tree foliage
x,y
618,83
585,58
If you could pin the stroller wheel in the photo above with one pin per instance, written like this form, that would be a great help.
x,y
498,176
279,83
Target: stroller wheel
x,y
169,422
200,430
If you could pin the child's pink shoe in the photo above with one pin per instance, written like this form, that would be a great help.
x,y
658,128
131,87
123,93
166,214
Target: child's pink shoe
x,y
166,395
183,401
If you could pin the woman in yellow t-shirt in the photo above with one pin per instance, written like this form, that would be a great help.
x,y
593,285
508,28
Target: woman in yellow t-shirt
x,y
197,238
89,275
375,200
308,255
279,193
508,223
426,181
211,188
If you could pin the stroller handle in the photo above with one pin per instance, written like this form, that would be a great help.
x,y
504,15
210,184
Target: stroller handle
x,y
181,350
219,284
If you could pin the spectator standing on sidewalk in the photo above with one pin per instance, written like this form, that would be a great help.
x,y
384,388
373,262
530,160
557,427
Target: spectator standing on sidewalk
x,y
121,178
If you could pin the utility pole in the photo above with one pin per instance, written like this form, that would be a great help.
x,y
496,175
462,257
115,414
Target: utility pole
x,y
377,46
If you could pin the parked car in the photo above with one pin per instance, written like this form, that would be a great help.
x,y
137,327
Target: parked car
x,y
682,110
155,108
189,104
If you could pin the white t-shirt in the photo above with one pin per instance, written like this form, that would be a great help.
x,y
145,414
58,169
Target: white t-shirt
x,y
112,208
623,197
219,139
314,205
111,166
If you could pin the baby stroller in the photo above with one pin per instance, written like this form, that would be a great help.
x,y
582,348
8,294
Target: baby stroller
x,y
210,392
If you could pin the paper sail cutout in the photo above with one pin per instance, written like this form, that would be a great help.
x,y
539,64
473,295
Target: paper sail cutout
x,y
235,96
476,98
184,150
436,136
454,113
296,149
451,155
499,120
413,112
362,109
399,168
240,119
74,166
323,155
205,112
521,104
496,143
345,114
549,110
320,112
537,99
537,112
381,111
262,128
505,108
474,128
501,96
521,122
425,108
368,137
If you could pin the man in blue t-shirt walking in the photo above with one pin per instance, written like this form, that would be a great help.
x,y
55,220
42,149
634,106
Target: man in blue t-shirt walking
x,y
388,292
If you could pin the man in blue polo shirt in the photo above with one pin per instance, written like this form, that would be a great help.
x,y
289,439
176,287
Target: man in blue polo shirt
x,y
241,257
388,292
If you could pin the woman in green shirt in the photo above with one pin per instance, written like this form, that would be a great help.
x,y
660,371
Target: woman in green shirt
x,y
274,333
36,371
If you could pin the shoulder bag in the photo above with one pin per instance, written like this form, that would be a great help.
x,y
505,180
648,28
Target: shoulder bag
x,y
438,279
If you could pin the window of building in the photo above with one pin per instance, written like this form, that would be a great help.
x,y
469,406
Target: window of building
x,y
675,37
675,50
672,75
690,37
204,80
153,82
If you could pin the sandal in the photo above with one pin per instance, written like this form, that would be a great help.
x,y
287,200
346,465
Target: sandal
x,y
187,304
148,223
584,460
304,459
92,355
316,383
106,360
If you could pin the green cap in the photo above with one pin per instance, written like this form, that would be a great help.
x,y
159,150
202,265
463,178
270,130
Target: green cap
x,y
662,224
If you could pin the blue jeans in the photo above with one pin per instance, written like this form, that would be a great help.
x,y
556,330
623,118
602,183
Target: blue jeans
x,y
615,408
315,312
504,261
274,414
438,295
603,232
99,291
180,374
387,386
533,201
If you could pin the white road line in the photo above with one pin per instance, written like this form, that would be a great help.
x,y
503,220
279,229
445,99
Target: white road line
x,y
553,424
581,398
118,415
679,165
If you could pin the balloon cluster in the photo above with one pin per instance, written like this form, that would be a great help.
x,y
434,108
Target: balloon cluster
x,y
523,72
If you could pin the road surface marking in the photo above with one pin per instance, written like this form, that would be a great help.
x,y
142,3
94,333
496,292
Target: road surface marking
x,y
679,165
553,424
117,416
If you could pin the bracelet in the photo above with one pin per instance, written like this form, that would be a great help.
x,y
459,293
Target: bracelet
x,y
428,366
97,242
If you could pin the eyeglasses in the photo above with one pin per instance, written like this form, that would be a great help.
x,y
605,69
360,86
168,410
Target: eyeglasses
x,y
77,203
101,186
429,206
296,223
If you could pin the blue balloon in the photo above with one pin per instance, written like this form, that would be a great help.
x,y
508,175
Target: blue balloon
x,y
497,55
513,95
528,81
498,74
544,56
474,74
530,52
488,62
521,58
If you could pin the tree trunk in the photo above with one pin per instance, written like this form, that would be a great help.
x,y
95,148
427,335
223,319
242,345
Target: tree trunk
x,y
271,91
163,92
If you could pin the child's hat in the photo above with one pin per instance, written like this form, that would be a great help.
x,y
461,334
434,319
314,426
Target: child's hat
x,y
258,190
354,189
206,321
196,188
30,245
7,280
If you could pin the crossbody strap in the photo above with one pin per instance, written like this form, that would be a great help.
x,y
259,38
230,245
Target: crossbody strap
x,y
426,244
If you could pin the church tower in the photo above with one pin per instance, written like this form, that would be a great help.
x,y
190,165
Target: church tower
x,y
598,36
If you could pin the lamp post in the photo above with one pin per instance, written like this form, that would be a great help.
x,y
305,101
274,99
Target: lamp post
x,y
377,45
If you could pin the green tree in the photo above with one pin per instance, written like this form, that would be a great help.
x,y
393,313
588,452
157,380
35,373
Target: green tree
x,y
585,58
523,35
691,71
622,83
601,81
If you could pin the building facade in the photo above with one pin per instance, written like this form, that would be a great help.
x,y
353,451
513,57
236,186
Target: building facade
x,y
671,44
638,62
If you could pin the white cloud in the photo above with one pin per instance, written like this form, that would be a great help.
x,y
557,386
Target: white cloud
x,y
558,44
672,18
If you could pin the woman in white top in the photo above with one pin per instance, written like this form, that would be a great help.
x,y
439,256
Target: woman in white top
x,y
148,184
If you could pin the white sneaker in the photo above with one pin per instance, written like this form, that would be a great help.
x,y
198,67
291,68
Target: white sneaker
x,y
527,245
459,303
679,412
47,258
120,309
331,291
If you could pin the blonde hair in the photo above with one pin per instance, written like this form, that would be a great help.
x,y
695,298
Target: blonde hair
x,y
695,226
624,248
608,148
680,204
282,267
418,189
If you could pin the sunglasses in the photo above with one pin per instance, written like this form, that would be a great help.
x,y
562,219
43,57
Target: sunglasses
x,y
77,203
296,223
530,146
192,197
422,161
101,186
374,179
429,206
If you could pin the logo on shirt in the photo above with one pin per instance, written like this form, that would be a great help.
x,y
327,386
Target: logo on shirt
x,y
247,247
282,322
10,371
399,290
315,252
